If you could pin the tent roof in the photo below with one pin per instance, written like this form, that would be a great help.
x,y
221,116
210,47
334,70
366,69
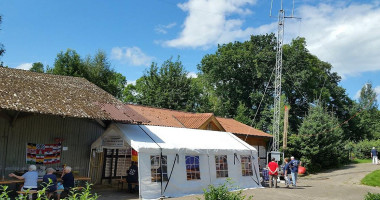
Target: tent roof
x,y
145,138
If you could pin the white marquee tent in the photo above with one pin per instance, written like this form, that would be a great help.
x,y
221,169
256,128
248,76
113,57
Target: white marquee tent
x,y
191,159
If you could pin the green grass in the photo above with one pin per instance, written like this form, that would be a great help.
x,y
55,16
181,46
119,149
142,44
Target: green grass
x,y
357,161
372,179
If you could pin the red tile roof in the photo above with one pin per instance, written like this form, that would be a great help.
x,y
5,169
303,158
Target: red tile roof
x,y
173,118
233,126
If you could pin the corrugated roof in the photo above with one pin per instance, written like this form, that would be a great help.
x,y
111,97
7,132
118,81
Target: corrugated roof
x,y
27,91
193,120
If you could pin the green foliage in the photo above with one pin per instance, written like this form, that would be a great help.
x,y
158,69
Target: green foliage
x,y
84,194
37,67
372,196
238,73
362,149
319,141
4,192
165,87
95,69
242,114
223,192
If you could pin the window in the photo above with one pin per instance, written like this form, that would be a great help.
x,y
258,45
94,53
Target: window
x,y
246,166
192,168
221,166
156,168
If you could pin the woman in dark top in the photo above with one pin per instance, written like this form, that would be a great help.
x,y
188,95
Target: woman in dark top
x,y
51,180
67,180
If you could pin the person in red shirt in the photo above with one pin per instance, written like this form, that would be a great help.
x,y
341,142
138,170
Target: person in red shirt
x,y
273,172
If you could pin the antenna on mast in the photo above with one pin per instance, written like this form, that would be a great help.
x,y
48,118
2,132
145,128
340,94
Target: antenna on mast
x,y
277,80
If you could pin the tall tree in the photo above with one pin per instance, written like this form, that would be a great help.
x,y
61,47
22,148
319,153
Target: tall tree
x,y
95,69
319,141
240,72
367,99
2,50
37,67
101,73
166,87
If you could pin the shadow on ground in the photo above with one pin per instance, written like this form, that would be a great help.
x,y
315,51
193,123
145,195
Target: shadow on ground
x,y
113,193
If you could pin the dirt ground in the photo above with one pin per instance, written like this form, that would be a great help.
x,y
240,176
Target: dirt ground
x,y
342,184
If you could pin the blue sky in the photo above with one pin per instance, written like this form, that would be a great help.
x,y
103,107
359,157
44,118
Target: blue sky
x,y
135,33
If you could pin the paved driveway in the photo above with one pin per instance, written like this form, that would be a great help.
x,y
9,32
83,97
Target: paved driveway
x,y
342,184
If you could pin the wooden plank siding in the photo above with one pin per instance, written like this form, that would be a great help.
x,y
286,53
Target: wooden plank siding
x,y
78,135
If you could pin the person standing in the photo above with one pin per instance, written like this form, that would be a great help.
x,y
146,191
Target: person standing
x,y
132,176
374,156
287,172
273,172
293,164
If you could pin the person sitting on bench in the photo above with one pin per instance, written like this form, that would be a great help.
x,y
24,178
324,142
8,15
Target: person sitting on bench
x,y
67,181
50,180
30,178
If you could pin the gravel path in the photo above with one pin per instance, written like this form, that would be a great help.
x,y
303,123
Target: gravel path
x,y
342,184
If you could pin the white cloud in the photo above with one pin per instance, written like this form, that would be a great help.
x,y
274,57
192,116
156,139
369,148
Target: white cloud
x,y
345,35
192,75
132,55
209,22
131,82
164,28
25,66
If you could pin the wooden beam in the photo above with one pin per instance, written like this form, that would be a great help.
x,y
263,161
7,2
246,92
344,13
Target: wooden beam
x,y
101,123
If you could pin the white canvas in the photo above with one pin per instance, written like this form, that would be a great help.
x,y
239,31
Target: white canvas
x,y
152,140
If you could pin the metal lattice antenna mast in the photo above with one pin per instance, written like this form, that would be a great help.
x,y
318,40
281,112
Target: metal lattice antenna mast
x,y
277,80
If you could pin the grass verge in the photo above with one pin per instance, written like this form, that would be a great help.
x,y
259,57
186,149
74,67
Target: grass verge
x,y
372,179
357,161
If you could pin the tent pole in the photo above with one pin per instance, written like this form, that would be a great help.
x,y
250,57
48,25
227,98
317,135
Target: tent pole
x,y
161,171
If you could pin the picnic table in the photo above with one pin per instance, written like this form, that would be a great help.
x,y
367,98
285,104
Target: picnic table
x,y
14,181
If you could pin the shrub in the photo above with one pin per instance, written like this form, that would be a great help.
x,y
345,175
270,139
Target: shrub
x,y
223,192
41,194
372,196
363,148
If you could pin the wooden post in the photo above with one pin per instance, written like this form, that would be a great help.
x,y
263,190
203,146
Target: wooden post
x,y
285,136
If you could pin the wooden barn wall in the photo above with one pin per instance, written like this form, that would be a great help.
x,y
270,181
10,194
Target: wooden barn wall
x,y
4,127
78,135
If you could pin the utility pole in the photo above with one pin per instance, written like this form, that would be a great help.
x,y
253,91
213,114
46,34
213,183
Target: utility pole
x,y
286,124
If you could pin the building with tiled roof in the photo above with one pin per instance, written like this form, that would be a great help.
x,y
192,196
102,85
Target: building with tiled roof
x,y
206,121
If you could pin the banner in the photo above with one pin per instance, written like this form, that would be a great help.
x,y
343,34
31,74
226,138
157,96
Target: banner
x,y
134,155
43,153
